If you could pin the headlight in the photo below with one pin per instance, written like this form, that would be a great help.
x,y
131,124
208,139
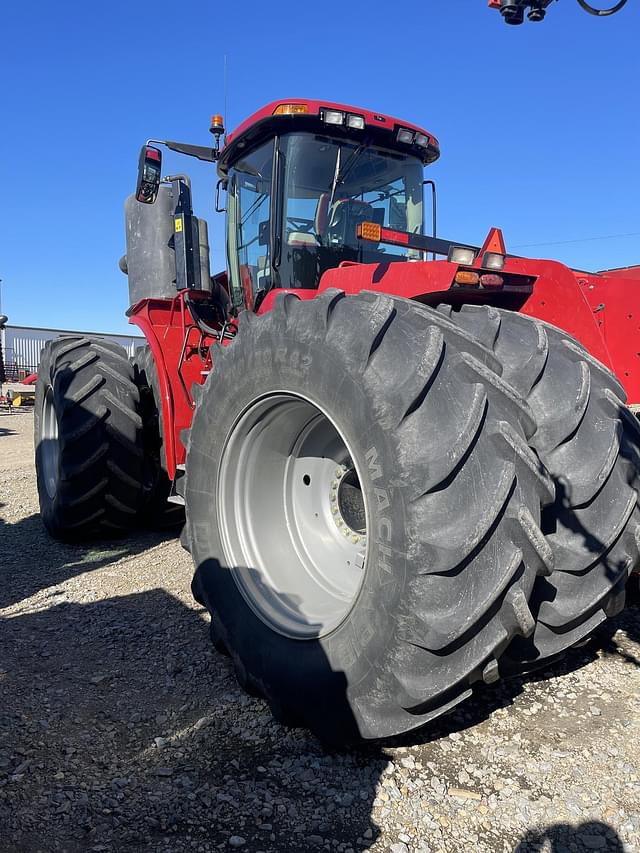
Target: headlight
x,y
405,136
422,140
354,121
493,261
461,255
333,117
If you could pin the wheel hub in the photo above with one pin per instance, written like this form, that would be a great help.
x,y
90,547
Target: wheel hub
x,y
292,515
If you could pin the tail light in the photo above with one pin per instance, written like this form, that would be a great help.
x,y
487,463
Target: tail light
x,y
490,280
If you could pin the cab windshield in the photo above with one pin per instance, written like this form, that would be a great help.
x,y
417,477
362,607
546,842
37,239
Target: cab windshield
x,y
330,186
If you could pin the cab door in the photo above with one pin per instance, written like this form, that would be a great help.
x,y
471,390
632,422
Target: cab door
x,y
249,203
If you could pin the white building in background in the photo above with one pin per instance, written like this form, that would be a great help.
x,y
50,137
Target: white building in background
x,y
21,346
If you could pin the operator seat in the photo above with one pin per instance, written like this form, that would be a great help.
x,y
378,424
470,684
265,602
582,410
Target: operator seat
x,y
309,239
344,217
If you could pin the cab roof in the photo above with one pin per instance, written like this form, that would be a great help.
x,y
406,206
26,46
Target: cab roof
x,y
300,114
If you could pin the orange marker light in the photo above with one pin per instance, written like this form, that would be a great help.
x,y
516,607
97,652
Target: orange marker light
x,y
369,231
290,109
467,277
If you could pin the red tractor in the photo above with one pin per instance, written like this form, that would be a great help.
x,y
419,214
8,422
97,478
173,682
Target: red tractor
x,y
406,463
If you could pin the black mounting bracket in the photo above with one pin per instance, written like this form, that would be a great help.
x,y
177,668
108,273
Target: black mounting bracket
x,y
185,235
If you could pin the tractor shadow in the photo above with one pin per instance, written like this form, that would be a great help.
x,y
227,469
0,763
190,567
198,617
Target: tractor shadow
x,y
606,638
25,544
136,735
120,726
561,837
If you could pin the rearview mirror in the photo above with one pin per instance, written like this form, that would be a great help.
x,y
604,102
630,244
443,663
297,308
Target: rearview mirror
x,y
149,170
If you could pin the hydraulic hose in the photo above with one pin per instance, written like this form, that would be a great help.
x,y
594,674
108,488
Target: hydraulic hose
x,y
602,13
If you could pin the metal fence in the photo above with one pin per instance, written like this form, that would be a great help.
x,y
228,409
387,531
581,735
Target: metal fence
x,y
20,347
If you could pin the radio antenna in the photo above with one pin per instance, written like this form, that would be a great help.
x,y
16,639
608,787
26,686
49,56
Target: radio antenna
x,y
225,93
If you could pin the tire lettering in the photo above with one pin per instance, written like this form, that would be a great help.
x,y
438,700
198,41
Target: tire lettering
x,y
384,529
384,526
383,499
383,562
366,634
375,471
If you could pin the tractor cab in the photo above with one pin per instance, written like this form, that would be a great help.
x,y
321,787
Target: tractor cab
x,y
302,177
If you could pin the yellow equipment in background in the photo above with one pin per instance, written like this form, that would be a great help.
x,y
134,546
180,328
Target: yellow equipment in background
x,y
21,397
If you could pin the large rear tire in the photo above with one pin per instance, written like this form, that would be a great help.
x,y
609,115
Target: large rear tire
x,y
88,439
362,510
587,440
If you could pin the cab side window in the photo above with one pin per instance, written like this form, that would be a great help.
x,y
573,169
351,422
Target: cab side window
x,y
249,206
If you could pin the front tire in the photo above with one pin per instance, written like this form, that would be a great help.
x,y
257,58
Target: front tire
x,y
88,439
371,620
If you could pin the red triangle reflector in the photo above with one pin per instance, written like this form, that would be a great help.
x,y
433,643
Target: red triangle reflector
x,y
494,243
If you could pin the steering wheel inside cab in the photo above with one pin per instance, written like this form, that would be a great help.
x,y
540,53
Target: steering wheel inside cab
x,y
345,216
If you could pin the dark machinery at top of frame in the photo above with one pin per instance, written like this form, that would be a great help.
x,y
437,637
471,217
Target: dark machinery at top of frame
x,y
513,11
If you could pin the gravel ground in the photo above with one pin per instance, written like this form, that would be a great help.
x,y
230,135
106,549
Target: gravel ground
x,y
122,730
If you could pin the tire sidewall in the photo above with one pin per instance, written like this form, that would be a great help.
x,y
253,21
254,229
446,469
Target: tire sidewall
x,y
351,655
44,383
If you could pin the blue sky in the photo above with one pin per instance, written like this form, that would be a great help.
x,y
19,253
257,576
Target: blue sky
x,y
539,125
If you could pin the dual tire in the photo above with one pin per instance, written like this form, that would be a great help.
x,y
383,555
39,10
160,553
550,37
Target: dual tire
x,y
99,441
88,439
588,441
